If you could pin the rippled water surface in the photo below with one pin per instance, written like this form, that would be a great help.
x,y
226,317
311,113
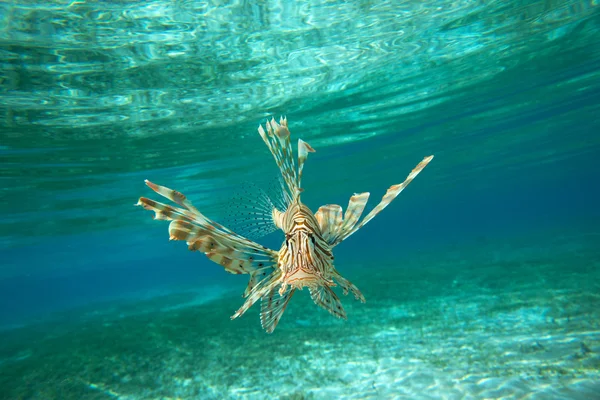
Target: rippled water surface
x,y
95,97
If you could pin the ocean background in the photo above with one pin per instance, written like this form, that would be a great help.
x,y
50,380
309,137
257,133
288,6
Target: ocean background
x,y
482,278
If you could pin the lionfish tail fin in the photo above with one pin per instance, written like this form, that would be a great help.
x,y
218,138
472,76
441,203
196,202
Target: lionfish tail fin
x,y
277,138
358,203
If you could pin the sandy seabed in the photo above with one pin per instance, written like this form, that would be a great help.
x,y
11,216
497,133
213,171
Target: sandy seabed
x,y
489,320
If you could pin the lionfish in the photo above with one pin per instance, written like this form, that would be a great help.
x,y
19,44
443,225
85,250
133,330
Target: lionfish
x,y
305,258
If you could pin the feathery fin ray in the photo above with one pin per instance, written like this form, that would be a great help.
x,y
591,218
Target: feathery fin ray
x,y
250,210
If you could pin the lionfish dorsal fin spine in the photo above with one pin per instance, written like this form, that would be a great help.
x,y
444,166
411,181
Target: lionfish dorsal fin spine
x,y
329,218
303,150
356,206
392,192
277,138
333,226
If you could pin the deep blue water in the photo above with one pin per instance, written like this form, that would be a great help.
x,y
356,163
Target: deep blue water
x,y
64,272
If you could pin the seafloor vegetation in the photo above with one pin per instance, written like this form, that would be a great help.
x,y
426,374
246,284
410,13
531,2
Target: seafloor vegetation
x,y
514,318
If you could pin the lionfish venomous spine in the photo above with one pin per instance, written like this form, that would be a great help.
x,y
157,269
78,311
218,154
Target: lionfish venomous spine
x,y
305,258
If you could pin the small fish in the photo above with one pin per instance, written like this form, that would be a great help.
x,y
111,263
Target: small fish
x,y
305,258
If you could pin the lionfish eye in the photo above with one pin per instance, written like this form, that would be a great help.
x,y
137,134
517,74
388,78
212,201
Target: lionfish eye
x,y
312,239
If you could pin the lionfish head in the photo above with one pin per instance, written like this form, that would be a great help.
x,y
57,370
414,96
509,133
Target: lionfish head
x,y
302,266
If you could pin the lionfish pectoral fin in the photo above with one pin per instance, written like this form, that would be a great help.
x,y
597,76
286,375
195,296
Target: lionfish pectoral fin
x,y
272,307
260,289
252,210
360,200
163,211
324,297
348,286
237,254
252,282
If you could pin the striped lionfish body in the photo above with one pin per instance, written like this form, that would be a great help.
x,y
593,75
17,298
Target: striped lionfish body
x,y
305,258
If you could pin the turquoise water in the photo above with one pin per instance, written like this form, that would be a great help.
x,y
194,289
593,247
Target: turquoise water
x,y
481,279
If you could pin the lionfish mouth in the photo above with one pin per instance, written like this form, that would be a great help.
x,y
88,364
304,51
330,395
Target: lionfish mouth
x,y
301,279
